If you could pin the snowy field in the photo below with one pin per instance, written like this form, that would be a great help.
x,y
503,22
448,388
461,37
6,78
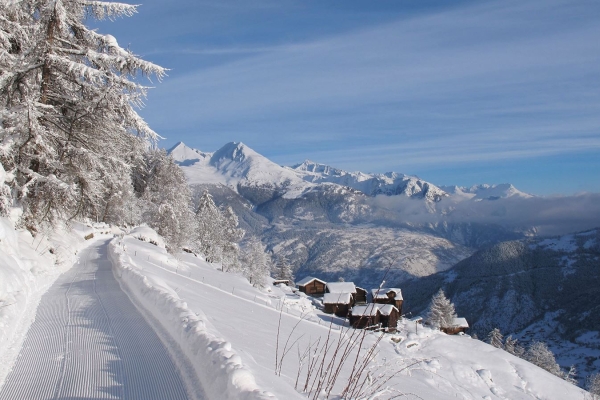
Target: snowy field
x,y
222,333
241,325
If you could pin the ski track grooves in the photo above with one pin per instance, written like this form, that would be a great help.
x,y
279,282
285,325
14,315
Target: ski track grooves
x,y
88,341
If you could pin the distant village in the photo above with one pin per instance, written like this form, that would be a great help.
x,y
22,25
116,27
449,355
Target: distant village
x,y
381,310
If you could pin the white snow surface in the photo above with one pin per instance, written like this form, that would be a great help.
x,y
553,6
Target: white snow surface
x,y
28,267
229,330
219,319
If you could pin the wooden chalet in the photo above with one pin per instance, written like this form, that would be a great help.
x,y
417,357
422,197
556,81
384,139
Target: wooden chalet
x,y
286,282
337,303
312,286
359,295
458,325
389,317
391,296
365,316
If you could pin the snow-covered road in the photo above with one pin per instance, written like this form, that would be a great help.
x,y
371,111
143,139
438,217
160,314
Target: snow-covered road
x,y
89,341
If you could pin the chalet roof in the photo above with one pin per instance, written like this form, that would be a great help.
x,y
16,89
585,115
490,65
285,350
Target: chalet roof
x,y
337,298
460,323
341,287
382,293
386,309
365,311
307,280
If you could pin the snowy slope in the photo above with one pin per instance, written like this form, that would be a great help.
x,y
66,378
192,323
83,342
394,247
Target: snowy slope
x,y
244,321
544,289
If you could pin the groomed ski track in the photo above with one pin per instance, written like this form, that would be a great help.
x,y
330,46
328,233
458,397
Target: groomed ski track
x,y
88,341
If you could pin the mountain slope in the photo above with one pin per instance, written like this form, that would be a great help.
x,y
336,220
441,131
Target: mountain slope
x,y
536,289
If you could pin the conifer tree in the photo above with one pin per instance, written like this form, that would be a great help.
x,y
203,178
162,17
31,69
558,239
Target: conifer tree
x,y
495,338
593,385
441,311
232,234
68,124
209,229
539,354
167,200
256,263
283,270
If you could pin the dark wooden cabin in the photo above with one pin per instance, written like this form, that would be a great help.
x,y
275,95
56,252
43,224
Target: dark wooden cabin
x,y
365,316
458,325
337,303
361,296
391,296
389,317
312,286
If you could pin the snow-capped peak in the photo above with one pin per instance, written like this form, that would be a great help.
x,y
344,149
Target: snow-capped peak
x,y
486,191
182,153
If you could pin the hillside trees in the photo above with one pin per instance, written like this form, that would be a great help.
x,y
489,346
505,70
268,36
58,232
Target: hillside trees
x,y
441,311
166,200
68,122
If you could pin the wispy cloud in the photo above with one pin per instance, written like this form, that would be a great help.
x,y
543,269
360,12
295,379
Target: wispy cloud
x,y
491,80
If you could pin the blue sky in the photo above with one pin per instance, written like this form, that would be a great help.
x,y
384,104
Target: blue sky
x,y
456,92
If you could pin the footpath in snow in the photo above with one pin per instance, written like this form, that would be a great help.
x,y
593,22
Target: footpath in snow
x,y
88,341
218,319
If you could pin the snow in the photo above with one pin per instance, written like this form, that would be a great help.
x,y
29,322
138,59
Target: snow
x,y
381,293
563,243
337,298
369,309
229,331
386,309
460,323
28,267
307,280
341,287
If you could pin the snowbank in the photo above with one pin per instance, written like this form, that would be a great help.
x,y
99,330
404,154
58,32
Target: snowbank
x,y
28,267
217,366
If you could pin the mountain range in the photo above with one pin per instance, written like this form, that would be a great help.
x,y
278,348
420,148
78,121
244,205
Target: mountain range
x,y
333,223
491,247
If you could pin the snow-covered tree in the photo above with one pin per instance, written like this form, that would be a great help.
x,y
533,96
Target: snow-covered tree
x,y
495,338
256,263
209,229
283,270
167,200
593,385
441,311
67,119
512,346
539,354
232,234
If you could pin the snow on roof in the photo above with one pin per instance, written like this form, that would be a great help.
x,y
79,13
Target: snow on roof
x,y
460,323
382,293
368,310
341,287
337,298
386,309
307,280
